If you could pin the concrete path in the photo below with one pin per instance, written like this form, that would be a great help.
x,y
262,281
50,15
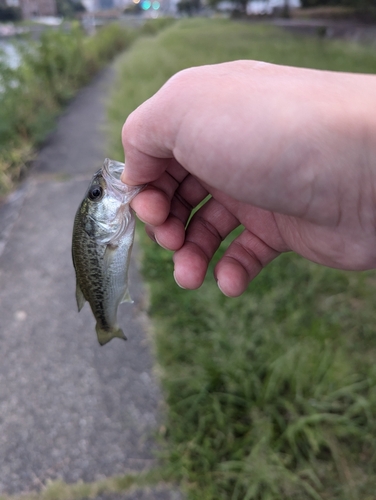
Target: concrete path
x,y
69,408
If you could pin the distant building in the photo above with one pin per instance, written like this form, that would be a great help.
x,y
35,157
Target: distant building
x,y
32,8
98,5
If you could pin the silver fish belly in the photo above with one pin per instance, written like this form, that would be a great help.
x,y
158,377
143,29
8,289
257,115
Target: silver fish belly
x,y
103,235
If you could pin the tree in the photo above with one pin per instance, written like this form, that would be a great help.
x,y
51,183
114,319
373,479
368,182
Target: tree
x,y
189,7
9,13
69,8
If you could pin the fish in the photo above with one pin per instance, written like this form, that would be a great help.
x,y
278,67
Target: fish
x,y
103,235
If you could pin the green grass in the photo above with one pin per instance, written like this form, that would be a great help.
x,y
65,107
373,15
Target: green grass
x,y
49,75
270,396
115,485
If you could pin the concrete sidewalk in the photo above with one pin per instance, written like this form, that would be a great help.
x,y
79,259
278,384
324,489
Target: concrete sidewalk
x,y
69,408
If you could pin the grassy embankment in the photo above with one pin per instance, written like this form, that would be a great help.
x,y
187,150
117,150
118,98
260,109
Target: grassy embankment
x,y
271,396
50,74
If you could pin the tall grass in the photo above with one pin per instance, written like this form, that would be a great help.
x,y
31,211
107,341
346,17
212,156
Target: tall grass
x,y
270,396
49,75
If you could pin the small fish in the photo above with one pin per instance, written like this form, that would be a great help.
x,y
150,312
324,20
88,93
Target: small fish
x,y
102,241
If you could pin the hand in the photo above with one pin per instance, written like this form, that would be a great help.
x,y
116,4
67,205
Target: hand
x,y
288,153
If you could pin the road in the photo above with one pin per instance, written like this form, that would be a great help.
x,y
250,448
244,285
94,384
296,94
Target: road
x,y
69,408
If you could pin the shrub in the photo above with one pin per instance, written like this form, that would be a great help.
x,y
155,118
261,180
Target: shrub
x,y
50,73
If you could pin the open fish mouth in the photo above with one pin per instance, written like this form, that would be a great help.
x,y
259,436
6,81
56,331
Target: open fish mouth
x,y
113,168
111,173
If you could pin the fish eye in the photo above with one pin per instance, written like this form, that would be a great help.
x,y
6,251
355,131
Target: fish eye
x,y
95,193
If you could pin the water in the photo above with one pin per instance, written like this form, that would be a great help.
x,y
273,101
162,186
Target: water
x,y
10,56
9,53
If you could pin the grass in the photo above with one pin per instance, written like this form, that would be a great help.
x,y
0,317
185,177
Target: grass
x,y
270,396
50,74
59,490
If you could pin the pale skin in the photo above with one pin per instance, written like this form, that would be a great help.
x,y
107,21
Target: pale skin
x,y
288,153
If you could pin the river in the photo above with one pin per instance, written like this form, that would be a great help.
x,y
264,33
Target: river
x,y
9,53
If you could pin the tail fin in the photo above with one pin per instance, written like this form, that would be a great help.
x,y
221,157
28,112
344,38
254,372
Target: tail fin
x,y
105,336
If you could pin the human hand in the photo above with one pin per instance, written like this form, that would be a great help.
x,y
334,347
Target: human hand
x,y
288,153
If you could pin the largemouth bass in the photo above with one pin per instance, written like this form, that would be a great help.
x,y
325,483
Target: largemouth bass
x,y
102,241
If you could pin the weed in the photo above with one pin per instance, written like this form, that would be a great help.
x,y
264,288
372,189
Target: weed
x,y
50,73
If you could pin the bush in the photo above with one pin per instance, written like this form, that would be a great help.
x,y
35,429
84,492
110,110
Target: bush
x,y
49,75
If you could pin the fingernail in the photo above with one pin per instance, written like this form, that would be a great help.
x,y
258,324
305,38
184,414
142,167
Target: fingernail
x,y
177,282
219,286
139,218
159,243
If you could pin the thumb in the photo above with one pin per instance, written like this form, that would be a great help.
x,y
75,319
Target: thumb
x,y
141,168
145,153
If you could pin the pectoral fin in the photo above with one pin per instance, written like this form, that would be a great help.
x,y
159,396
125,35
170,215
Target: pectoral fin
x,y
126,297
79,297
108,256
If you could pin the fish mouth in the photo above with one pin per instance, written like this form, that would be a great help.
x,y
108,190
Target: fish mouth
x,y
113,168
111,172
